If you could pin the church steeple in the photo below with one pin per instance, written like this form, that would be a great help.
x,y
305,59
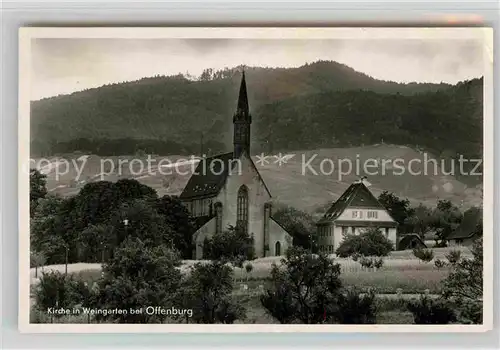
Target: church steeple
x,y
241,122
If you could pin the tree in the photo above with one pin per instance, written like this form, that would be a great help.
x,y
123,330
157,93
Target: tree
x,y
37,259
139,219
139,275
46,235
304,288
464,285
371,242
181,225
299,224
207,291
399,209
95,241
420,221
234,246
446,218
38,189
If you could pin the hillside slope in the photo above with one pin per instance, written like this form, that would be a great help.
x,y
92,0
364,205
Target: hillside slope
x,y
287,182
178,110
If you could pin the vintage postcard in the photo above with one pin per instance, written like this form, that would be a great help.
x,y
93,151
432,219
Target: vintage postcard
x,y
255,179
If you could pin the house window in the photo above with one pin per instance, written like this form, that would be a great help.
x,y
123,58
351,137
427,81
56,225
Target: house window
x,y
387,231
459,241
372,215
353,230
354,214
345,229
242,209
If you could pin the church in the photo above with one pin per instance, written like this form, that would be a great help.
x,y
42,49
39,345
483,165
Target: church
x,y
227,190
356,210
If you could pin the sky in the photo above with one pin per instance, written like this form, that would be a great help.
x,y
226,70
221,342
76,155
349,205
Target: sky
x,y
62,66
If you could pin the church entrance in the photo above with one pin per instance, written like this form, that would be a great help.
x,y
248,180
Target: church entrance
x,y
277,249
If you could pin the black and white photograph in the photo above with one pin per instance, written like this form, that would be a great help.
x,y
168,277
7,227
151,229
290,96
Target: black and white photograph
x,y
256,179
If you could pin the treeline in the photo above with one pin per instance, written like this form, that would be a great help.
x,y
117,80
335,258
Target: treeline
x,y
178,109
89,226
445,124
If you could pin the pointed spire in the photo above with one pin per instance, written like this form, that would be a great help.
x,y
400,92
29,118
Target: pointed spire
x,y
242,98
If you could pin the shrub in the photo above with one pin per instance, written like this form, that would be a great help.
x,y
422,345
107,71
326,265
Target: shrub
x,y
428,311
54,290
439,263
371,242
378,263
234,246
304,288
355,308
453,256
248,268
425,255
366,262
207,291
464,285
139,275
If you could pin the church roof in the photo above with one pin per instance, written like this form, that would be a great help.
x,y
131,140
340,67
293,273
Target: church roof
x,y
357,195
242,97
209,177
201,221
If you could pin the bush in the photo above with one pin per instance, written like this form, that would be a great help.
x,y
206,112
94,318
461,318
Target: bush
x,y
464,285
439,263
355,308
234,246
55,290
371,242
453,256
139,275
425,255
366,262
378,263
304,288
428,311
207,291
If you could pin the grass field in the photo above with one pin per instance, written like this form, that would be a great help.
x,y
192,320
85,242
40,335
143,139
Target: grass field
x,y
401,278
400,270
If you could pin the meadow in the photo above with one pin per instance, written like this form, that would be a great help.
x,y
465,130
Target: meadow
x,y
402,277
401,270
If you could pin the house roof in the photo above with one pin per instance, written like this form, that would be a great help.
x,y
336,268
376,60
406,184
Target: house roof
x,y
405,242
356,195
468,226
209,177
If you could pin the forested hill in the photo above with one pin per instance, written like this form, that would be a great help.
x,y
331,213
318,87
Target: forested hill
x,y
324,104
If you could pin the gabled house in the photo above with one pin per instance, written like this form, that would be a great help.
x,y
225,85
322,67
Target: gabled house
x,y
357,209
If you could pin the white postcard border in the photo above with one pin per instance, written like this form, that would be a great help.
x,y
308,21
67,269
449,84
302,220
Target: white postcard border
x,y
26,34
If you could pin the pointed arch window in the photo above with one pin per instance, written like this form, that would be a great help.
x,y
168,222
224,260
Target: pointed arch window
x,y
242,209
277,248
